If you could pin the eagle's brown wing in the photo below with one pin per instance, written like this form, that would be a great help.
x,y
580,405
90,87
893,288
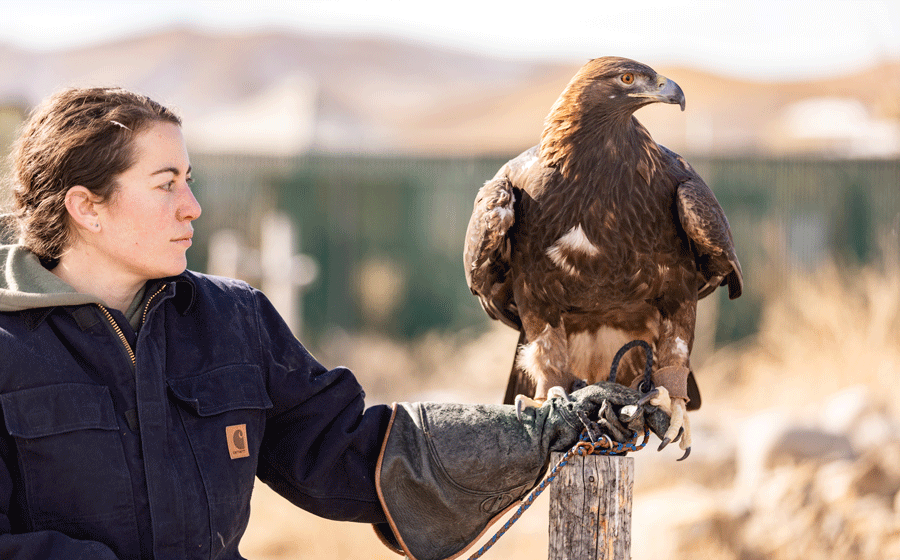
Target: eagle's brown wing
x,y
707,227
486,253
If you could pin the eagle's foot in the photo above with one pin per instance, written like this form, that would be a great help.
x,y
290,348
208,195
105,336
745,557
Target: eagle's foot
x,y
557,391
630,413
679,426
612,424
523,401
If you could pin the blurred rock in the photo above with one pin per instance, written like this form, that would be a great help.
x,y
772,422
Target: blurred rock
x,y
799,444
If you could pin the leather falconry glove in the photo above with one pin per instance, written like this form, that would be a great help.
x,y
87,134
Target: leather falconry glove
x,y
448,471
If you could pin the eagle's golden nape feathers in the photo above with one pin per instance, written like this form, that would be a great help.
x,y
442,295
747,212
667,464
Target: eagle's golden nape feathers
x,y
575,244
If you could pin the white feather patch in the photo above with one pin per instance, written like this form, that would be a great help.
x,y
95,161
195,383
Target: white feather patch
x,y
506,212
576,240
559,259
681,347
573,241
529,162
532,359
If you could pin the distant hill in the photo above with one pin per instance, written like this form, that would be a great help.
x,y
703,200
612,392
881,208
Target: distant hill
x,y
283,93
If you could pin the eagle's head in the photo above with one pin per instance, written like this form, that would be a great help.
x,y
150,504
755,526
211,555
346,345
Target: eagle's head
x,y
621,85
599,101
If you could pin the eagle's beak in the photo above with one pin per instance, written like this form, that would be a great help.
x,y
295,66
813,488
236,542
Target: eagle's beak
x,y
669,92
666,91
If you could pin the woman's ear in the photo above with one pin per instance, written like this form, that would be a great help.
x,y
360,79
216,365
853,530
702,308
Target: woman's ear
x,y
81,204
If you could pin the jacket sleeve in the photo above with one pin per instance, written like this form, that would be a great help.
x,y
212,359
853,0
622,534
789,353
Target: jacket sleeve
x,y
51,545
321,444
39,545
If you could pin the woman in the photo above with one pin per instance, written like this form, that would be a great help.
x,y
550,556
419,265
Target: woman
x,y
140,400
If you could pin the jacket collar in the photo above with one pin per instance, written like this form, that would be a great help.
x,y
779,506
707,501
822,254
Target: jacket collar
x,y
34,317
185,288
182,288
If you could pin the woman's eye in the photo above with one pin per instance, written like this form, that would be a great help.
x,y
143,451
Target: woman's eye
x,y
628,78
173,184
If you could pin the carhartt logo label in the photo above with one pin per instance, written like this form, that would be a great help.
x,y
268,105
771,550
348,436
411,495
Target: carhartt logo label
x,y
237,441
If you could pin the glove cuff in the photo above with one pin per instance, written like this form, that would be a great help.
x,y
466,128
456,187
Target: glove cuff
x,y
447,472
388,538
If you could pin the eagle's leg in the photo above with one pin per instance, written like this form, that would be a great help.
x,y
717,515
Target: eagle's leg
x,y
545,359
673,355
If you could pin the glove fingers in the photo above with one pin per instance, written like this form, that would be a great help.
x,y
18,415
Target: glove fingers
x,y
604,391
602,399
633,417
611,424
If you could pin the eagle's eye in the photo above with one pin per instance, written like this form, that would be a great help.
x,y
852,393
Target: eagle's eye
x,y
627,78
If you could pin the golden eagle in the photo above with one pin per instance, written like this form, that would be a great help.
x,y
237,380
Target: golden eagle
x,y
599,236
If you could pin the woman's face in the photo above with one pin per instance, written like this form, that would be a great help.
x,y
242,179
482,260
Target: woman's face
x,y
145,227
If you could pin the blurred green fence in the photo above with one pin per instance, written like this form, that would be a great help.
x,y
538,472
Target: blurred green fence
x,y
388,232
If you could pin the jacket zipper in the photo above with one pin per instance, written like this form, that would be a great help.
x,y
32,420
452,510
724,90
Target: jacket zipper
x,y
118,330
120,334
149,301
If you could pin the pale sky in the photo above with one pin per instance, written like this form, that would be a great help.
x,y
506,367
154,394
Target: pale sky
x,y
759,39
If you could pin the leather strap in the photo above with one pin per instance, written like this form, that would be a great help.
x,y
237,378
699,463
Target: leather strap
x,y
673,378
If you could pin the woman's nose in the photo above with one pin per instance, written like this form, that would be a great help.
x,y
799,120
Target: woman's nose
x,y
188,207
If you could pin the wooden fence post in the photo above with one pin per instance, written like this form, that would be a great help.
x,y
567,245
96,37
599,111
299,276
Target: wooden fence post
x,y
590,508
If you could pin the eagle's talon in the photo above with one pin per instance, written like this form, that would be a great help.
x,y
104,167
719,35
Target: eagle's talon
x,y
523,401
666,441
679,428
555,392
647,398
630,413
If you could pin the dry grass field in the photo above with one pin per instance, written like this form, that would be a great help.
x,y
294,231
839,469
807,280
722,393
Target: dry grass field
x,y
796,452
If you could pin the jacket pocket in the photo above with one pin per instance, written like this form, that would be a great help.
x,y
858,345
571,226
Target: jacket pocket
x,y
224,416
71,456
223,412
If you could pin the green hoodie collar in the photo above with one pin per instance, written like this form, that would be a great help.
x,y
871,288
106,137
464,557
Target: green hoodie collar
x,y
26,284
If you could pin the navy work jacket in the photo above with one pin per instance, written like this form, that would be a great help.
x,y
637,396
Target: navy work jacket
x,y
139,446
